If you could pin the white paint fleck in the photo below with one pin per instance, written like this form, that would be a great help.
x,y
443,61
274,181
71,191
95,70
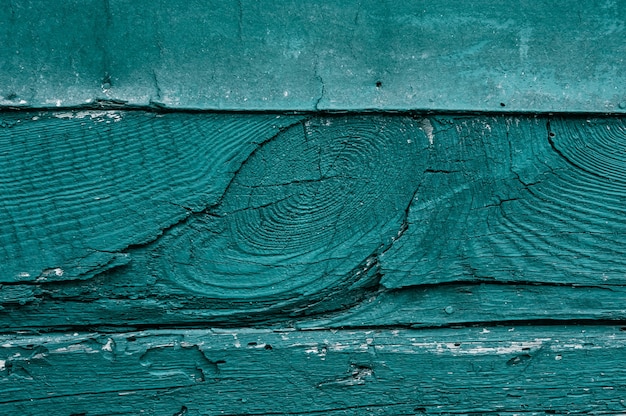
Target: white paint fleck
x,y
24,274
427,128
312,350
2,364
478,349
237,344
76,347
98,116
108,346
320,352
339,347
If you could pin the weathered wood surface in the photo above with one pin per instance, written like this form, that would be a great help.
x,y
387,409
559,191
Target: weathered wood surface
x,y
504,371
538,56
134,218
321,250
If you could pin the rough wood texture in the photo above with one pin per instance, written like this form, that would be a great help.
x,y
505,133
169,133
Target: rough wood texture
x,y
322,250
137,218
351,54
503,371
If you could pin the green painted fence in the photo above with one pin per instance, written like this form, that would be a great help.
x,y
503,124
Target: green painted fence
x,y
334,208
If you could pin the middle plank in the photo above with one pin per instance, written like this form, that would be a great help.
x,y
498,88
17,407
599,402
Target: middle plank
x,y
232,218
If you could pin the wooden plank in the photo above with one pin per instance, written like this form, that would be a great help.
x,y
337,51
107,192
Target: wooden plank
x,y
80,187
135,218
497,370
282,55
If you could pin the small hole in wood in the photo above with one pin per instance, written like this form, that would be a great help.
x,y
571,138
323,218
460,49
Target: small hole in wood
x,y
379,84
268,347
502,105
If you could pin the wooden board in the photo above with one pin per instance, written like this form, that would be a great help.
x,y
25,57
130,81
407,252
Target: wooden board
x,y
497,370
536,56
136,218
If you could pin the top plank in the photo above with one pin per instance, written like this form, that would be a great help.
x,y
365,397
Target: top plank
x,y
537,56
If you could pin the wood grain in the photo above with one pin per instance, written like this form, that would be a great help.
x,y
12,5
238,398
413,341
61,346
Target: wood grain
x,y
359,207
351,55
78,187
545,204
134,218
497,370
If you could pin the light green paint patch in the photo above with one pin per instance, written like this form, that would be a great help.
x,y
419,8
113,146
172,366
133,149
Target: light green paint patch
x,y
537,56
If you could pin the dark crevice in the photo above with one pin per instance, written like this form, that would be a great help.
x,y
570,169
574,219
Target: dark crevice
x,y
99,104
500,202
618,324
464,284
322,92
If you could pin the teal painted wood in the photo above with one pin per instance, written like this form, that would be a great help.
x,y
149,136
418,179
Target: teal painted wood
x,y
295,262
134,218
503,371
537,56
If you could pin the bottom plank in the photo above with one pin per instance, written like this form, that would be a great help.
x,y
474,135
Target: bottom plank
x,y
501,370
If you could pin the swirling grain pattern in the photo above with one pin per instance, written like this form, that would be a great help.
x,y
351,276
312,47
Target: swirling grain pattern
x,y
79,187
305,213
530,200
